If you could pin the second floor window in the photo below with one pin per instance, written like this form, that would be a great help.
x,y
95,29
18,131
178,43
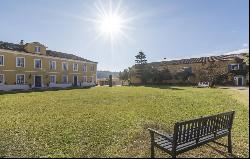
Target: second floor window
x,y
234,67
37,49
20,79
84,68
64,66
1,60
38,63
75,67
92,68
1,79
52,65
20,62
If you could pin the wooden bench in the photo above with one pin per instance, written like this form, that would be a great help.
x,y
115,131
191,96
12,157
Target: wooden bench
x,y
193,133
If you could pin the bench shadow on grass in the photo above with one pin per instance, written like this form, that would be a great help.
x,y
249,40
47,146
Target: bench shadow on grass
x,y
225,154
40,90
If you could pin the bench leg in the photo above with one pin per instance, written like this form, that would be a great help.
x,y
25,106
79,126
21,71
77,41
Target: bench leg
x,y
174,156
229,143
152,151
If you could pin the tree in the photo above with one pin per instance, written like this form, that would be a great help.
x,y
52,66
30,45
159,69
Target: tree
x,y
124,76
246,59
161,75
140,58
184,74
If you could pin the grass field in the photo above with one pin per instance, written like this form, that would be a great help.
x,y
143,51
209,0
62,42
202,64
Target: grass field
x,y
111,122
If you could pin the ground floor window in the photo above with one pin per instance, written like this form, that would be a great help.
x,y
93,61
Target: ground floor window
x,y
84,79
53,79
20,79
1,79
64,79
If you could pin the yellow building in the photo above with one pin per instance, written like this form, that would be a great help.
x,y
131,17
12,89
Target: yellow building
x,y
31,65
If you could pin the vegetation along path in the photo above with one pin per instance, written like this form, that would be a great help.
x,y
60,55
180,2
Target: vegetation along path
x,y
111,122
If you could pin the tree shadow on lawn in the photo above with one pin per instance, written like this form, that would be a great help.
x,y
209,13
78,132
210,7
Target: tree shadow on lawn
x,y
40,90
177,88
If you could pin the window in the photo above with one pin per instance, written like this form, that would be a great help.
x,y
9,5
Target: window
x,y
20,79
92,68
38,63
37,49
84,79
75,67
187,69
1,60
1,79
233,67
52,65
84,68
65,66
53,79
64,79
20,62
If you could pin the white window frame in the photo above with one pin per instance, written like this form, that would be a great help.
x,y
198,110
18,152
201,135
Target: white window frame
x,y
35,63
73,79
92,68
238,66
3,60
67,79
50,62
23,79
74,66
86,79
67,66
37,49
85,67
23,62
50,79
34,80
3,79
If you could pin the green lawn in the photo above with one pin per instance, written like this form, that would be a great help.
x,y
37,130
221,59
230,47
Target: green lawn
x,y
111,122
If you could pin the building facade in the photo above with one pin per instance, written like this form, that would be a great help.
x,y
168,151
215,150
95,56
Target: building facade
x,y
31,65
230,68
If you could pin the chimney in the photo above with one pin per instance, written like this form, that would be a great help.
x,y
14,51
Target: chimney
x,y
21,42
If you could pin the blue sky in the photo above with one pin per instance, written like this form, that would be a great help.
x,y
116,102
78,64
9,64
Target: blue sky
x,y
170,29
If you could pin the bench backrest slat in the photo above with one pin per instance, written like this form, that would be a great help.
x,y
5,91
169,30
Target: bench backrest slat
x,y
194,129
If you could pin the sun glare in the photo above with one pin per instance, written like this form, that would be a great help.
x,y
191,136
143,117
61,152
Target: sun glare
x,y
111,24
111,21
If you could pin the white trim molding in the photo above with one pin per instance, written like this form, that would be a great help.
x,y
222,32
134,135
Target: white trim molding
x,y
44,56
9,70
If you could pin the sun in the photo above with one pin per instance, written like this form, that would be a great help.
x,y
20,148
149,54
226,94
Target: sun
x,y
111,24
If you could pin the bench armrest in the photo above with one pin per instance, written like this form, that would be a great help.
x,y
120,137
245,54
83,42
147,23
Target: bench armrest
x,y
161,134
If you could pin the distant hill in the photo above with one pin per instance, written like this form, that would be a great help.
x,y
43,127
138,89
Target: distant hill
x,y
105,74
